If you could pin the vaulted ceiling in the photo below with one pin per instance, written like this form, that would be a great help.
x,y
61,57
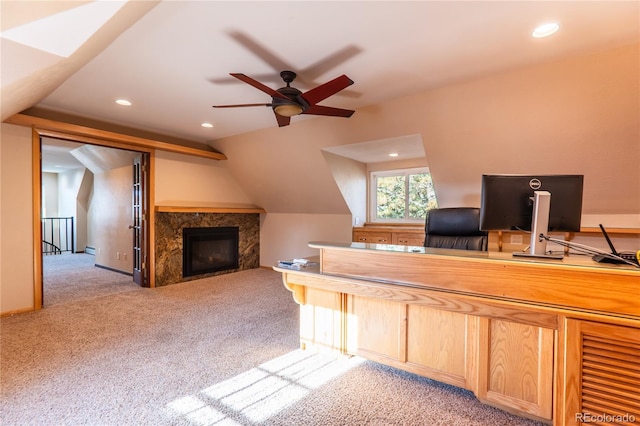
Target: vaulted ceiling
x,y
172,59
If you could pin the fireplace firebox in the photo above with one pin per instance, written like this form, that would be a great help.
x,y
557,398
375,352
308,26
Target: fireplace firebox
x,y
207,250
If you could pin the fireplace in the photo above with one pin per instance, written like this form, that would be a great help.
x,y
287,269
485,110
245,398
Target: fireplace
x,y
170,245
211,249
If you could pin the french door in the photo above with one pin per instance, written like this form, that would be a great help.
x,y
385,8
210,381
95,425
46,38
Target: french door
x,y
140,225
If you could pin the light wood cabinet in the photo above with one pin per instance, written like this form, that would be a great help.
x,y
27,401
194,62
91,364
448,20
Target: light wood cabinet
x,y
400,235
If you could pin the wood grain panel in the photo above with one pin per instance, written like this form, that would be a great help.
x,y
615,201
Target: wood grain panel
x,y
438,340
520,367
375,326
462,303
603,289
321,320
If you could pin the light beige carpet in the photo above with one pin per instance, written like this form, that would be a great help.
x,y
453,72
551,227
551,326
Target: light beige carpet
x,y
216,351
73,277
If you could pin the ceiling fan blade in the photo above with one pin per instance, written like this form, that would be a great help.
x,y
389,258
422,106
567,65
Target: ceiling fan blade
x,y
262,52
282,120
330,111
330,62
266,89
239,105
325,90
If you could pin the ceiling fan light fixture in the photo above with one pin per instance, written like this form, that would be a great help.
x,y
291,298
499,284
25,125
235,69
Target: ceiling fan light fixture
x,y
288,110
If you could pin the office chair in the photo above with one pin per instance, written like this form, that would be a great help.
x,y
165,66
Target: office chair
x,y
455,228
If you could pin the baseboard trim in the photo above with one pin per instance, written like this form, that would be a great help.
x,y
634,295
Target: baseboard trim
x,y
16,312
114,270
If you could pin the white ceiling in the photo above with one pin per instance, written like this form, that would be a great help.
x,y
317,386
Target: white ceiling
x,y
173,63
56,156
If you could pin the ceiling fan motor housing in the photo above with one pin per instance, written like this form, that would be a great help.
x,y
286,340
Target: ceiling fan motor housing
x,y
295,98
288,76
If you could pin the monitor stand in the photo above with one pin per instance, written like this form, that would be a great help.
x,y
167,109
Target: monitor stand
x,y
539,227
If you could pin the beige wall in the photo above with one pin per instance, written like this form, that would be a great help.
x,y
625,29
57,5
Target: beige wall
x,y
184,180
110,214
50,194
16,221
286,236
73,190
351,178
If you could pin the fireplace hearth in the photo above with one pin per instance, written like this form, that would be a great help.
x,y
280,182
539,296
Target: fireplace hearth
x,y
207,250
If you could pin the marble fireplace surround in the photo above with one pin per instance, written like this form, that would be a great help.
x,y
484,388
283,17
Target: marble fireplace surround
x,y
171,220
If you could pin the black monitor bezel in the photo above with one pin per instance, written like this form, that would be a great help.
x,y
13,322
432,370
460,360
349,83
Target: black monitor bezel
x,y
505,205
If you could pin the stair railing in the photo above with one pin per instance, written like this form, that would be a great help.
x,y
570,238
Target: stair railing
x,y
57,235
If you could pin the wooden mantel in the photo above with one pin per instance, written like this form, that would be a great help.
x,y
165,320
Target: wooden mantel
x,y
209,209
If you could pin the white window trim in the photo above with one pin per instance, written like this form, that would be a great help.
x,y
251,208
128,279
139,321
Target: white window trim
x,y
372,193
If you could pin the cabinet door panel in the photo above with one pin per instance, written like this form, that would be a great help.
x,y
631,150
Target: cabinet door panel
x,y
321,319
439,341
518,367
374,327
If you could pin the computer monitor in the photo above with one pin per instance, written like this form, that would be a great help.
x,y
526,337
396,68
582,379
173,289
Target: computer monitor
x,y
536,203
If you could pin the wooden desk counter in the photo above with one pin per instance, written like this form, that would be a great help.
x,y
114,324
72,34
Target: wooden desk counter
x,y
552,340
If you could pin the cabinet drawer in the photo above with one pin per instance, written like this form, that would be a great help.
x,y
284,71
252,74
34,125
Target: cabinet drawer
x,y
372,237
409,238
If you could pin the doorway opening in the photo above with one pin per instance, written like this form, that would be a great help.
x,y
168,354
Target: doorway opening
x,y
104,189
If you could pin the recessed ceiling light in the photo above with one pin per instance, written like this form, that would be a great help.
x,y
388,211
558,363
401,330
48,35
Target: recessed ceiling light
x,y
123,102
393,154
207,125
545,30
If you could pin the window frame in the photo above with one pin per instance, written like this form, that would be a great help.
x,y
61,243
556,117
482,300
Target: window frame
x,y
372,194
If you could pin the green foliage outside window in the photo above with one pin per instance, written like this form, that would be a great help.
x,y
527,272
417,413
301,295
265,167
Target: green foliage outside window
x,y
391,197
404,196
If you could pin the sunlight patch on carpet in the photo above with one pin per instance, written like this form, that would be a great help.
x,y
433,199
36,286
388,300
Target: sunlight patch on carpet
x,y
261,392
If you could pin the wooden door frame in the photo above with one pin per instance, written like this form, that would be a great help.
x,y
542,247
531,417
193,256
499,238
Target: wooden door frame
x,y
115,141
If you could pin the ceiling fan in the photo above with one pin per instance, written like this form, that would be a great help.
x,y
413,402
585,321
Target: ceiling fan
x,y
289,101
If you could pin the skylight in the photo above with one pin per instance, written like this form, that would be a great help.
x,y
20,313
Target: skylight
x,y
63,33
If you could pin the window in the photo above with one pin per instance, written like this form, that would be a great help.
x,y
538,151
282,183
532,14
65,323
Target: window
x,y
401,195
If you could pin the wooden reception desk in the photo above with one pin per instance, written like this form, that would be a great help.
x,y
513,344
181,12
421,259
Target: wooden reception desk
x,y
557,341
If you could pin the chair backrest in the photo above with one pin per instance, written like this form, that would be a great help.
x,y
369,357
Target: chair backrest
x,y
455,228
